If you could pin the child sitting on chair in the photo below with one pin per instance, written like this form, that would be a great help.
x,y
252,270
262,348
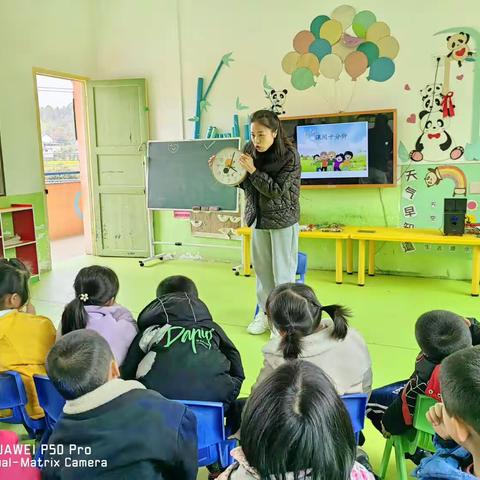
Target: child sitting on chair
x,y
25,338
439,333
180,351
111,428
327,341
295,426
456,420
94,307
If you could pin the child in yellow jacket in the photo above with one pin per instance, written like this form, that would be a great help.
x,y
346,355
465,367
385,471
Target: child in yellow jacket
x,y
25,338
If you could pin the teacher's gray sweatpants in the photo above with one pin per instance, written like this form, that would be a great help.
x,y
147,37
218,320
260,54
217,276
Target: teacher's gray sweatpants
x,y
274,256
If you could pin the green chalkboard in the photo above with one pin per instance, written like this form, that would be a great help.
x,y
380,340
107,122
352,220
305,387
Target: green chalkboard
x,y
179,177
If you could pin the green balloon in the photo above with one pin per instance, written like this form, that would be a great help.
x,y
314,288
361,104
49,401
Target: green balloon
x,y
302,78
370,50
362,21
317,23
360,30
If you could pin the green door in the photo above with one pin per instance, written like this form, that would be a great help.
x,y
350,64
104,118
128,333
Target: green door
x,y
118,124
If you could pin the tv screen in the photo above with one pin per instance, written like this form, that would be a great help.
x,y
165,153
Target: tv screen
x,y
349,150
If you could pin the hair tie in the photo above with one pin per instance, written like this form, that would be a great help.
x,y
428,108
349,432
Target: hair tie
x,y
83,297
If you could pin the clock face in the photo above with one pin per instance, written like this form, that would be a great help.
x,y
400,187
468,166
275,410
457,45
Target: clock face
x,y
226,167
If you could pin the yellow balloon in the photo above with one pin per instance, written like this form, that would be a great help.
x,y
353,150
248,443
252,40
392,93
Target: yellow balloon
x,y
331,66
289,62
388,47
342,50
377,30
310,61
344,14
331,31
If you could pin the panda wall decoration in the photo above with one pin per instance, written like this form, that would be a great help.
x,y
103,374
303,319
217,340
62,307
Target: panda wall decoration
x,y
459,48
277,100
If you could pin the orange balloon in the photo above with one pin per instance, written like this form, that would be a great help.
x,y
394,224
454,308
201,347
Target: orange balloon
x,y
356,63
310,61
303,40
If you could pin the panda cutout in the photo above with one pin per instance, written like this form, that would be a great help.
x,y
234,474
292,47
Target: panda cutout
x,y
277,99
458,46
432,96
434,143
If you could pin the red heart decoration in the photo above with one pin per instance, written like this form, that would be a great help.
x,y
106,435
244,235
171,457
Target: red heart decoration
x,y
460,77
406,87
412,118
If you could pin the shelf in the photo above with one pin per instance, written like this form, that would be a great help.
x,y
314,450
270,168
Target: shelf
x,y
20,244
14,209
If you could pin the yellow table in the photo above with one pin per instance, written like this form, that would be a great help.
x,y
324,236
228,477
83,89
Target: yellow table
x,y
246,232
413,235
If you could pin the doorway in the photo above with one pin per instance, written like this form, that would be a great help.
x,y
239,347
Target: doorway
x,y
61,113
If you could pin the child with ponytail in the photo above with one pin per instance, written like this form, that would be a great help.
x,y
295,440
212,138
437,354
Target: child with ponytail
x,y
327,341
25,338
94,307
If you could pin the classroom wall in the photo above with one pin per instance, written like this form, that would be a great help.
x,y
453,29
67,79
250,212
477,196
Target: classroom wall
x,y
57,35
171,43
259,34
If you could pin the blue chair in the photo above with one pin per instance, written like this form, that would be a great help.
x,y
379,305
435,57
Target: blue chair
x,y
50,400
13,397
213,446
356,404
300,273
301,267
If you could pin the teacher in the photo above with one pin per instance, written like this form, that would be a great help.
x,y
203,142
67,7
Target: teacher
x,y
272,209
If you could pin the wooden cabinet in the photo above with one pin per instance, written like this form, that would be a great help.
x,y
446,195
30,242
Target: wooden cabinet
x,y
17,235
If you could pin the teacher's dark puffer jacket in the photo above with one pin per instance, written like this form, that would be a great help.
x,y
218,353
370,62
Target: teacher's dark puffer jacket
x,y
272,191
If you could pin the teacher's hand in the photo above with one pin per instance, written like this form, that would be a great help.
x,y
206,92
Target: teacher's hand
x,y
246,161
211,160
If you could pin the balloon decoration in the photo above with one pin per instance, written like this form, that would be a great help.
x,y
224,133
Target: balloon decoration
x,y
331,66
388,47
356,42
320,48
303,40
381,69
355,64
377,31
317,23
302,78
310,61
344,14
370,50
331,31
362,22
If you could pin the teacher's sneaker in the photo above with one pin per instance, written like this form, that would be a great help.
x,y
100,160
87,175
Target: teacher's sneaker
x,y
259,324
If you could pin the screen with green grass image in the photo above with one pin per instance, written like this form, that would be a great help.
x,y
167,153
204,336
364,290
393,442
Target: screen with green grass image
x,y
336,150
346,149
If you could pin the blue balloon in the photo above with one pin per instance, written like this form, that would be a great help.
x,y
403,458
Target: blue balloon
x,y
320,48
381,69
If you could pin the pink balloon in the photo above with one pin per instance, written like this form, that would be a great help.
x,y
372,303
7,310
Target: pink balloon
x,y
303,40
356,63
350,41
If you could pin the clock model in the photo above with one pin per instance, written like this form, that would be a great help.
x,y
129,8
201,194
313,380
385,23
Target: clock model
x,y
226,167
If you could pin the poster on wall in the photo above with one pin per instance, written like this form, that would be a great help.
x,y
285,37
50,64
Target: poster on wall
x,y
425,186
445,125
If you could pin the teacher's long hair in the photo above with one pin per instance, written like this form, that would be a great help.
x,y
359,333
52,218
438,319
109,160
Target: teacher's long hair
x,y
295,311
270,120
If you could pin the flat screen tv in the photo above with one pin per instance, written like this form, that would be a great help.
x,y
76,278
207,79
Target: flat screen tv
x,y
346,149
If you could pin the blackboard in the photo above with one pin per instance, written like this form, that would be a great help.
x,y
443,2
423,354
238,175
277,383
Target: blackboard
x,y
179,177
